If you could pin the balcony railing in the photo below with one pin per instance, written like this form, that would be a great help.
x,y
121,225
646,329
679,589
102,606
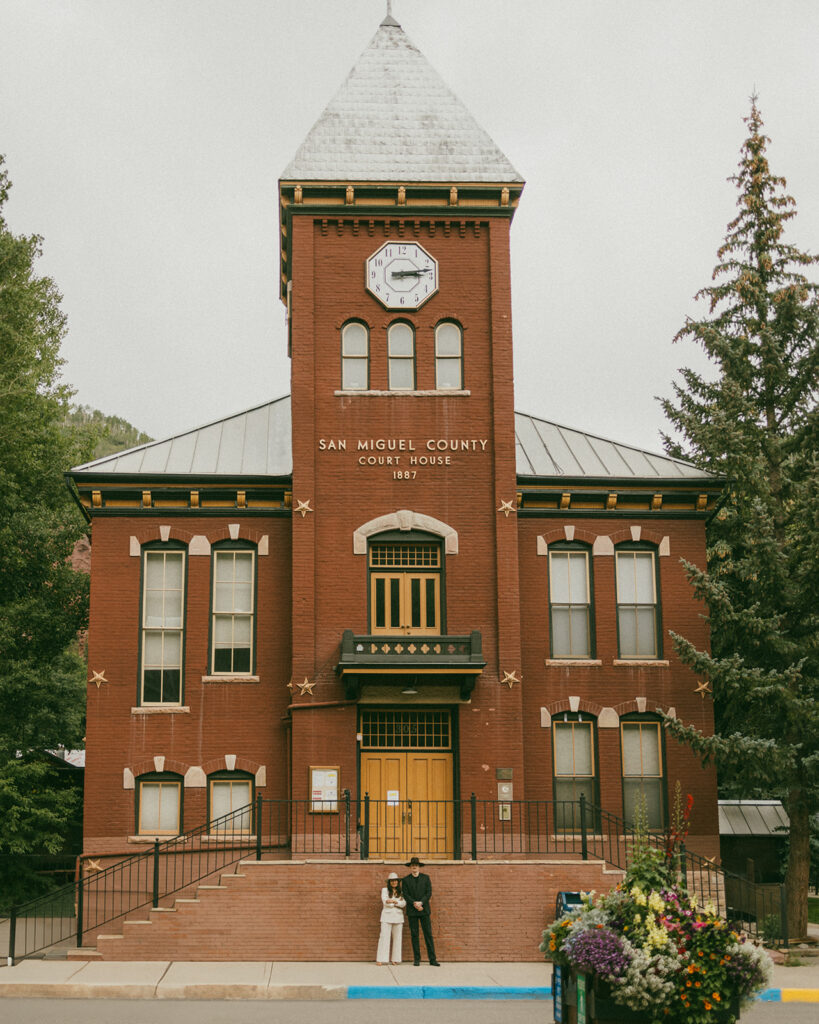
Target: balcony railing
x,y
431,659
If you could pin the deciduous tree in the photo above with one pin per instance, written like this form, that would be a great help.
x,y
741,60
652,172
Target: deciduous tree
x,y
43,601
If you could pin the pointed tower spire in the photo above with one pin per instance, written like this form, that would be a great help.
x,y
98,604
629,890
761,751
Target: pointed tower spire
x,y
395,120
388,18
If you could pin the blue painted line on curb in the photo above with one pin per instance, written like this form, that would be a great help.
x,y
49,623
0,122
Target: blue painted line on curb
x,y
770,995
446,992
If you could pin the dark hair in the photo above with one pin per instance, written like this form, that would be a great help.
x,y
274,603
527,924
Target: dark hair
x,y
397,889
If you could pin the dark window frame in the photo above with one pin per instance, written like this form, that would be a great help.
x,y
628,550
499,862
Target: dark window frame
x,y
365,358
145,549
579,547
413,358
408,537
460,358
641,546
646,718
575,718
216,548
159,777
237,775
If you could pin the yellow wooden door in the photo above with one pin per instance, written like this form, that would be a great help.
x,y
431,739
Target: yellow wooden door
x,y
411,810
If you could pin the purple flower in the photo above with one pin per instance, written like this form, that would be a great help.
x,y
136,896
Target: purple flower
x,y
597,951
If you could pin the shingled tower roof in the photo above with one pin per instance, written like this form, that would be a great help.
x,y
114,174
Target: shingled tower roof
x,y
394,119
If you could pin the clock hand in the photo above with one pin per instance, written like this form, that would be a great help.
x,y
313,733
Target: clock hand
x,y
410,273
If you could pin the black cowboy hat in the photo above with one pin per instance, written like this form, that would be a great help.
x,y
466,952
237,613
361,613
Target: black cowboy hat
x,y
414,860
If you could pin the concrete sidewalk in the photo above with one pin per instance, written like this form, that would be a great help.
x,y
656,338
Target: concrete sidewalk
x,y
49,979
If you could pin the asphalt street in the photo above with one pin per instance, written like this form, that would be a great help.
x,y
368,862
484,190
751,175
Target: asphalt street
x,y
364,1011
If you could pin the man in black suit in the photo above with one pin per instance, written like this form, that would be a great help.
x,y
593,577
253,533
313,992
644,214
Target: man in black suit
x,y
417,890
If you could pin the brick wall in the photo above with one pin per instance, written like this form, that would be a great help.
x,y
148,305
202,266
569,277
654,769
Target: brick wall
x,y
296,910
242,719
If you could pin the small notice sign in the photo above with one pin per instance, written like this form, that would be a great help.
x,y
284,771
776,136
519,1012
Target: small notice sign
x,y
324,789
393,798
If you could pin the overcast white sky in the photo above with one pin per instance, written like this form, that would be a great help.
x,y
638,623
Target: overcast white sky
x,y
145,139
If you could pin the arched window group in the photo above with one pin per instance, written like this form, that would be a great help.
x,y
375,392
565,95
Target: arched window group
x,y
402,375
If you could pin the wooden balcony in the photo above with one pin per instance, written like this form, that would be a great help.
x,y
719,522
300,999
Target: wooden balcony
x,y
422,660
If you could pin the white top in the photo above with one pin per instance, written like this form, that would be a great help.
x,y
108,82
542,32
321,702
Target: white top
x,y
393,913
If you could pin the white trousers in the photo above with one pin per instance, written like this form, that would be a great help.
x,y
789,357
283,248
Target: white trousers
x,y
389,932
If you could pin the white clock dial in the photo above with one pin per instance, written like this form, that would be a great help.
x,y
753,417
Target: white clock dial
x,y
401,275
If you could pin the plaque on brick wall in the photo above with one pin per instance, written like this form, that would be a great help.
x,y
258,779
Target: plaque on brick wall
x,y
324,789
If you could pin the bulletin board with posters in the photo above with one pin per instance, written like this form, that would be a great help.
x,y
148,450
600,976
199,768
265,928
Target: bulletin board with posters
x,y
324,780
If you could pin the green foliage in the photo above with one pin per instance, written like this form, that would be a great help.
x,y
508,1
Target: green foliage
x,y
107,434
43,601
648,868
755,421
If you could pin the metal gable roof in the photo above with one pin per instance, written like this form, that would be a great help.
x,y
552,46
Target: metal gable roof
x,y
394,119
253,443
546,449
257,443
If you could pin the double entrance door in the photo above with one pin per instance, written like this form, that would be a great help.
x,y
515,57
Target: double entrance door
x,y
411,809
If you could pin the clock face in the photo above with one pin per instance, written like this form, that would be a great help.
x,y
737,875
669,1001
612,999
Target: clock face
x,y
401,275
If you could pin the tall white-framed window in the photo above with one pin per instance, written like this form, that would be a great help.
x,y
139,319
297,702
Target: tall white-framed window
x,y
401,356
575,772
355,356
159,804
638,634
230,801
449,370
163,631
233,610
643,782
570,617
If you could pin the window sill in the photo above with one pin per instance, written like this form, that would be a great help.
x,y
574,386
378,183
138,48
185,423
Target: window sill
x,y
552,662
170,709
230,679
454,392
656,662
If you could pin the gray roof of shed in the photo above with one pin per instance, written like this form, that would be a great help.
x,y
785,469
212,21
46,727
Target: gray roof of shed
x,y
257,443
753,818
394,119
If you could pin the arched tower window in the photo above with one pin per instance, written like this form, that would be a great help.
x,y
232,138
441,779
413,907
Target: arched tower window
x,y
449,369
355,356
401,356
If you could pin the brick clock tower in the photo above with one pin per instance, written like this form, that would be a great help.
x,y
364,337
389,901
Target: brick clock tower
x,y
395,222
389,583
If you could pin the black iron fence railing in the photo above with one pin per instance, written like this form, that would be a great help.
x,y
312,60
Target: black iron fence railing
x,y
393,829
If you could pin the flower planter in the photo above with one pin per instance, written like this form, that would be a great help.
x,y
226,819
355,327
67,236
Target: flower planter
x,y
599,1007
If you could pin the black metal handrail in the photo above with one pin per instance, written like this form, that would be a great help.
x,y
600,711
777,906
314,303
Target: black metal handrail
x,y
388,829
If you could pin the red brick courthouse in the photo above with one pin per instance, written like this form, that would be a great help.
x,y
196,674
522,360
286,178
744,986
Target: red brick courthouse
x,y
387,583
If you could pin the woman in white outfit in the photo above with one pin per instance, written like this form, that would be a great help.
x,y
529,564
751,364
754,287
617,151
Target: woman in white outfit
x,y
392,921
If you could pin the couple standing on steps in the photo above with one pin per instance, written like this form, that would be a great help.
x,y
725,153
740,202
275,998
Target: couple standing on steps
x,y
414,893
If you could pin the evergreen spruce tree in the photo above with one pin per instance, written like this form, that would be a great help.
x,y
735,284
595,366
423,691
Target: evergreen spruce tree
x,y
754,420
